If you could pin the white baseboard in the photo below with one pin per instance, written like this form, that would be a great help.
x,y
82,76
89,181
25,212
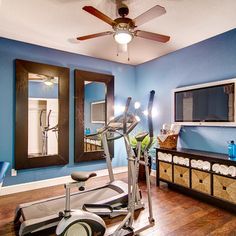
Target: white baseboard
x,y
154,173
51,182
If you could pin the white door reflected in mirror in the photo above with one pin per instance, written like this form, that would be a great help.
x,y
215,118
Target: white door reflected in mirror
x,y
94,114
42,116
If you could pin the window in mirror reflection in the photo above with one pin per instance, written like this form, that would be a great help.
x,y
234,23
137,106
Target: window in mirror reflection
x,y
42,115
94,114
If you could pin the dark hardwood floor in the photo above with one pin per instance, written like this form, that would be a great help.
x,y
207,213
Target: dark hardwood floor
x,y
175,213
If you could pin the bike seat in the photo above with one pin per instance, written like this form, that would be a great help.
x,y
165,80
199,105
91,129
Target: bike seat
x,y
140,137
82,176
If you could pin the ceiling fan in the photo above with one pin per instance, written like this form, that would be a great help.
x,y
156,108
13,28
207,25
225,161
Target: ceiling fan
x,y
124,28
48,80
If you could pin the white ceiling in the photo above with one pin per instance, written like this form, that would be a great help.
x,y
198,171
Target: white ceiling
x,y
56,24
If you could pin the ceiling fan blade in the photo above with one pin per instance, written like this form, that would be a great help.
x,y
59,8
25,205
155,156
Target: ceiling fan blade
x,y
152,36
149,15
93,11
90,36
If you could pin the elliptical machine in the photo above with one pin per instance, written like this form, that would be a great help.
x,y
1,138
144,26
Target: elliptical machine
x,y
45,129
110,199
85,222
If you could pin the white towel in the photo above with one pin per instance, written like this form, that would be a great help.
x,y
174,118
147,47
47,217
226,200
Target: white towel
x,y
232,171
224,169
175,160
193,163
216,168
169,157
206,165
164,157
166,126
163,137
199,164
175,128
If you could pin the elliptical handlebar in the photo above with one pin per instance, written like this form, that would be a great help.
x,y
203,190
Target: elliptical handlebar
x,y
150,121
125,114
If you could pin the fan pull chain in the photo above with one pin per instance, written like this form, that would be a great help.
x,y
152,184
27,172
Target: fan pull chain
x,y
128,52
117,50
123,49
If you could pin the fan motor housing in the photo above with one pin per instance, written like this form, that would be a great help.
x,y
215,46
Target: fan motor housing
x,y
124,23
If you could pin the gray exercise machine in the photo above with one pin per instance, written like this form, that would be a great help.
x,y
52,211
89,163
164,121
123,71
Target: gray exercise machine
x,y
39,215
45,129
86,223
3,169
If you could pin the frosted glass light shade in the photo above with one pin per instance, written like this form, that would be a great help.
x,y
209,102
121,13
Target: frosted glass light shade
x,y
123,36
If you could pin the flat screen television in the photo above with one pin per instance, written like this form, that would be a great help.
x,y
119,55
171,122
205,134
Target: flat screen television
x,y
210,104
98,111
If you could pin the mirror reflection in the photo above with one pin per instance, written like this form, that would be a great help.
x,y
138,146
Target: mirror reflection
x,y
42,115
94,114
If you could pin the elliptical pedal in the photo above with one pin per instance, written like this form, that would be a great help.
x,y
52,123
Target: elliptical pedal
x,y
124,232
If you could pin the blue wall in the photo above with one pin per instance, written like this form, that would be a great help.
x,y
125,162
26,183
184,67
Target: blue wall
x,y
11,50
210,60
41,90
94,92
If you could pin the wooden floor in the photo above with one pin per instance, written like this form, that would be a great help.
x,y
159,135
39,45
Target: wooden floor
x,y
175,213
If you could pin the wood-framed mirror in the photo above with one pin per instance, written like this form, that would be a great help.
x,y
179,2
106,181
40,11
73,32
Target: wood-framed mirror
x,y
94,106
42,115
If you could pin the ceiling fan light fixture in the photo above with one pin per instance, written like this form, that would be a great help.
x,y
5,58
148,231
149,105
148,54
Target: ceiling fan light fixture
x,y
123,36
48,82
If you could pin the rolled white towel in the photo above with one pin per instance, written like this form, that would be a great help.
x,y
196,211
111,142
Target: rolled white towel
x,y
216,168
186,160
175,159
159,154
199,164
170,158
232,171
224,169
167,157
206,165
193,163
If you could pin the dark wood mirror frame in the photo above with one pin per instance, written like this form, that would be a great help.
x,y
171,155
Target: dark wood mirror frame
x,y
80,78
21,128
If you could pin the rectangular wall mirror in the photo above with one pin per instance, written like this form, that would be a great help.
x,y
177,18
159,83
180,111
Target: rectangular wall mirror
x,y
42,115
94,101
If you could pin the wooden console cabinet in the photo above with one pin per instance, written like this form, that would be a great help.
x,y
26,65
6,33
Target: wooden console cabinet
x,y
179,170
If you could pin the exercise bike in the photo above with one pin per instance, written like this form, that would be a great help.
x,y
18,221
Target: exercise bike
x,y
86,222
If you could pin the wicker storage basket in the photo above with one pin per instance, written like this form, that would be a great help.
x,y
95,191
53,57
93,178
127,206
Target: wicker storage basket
x,y
170,142
224,187
165,170
181,175
201,181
